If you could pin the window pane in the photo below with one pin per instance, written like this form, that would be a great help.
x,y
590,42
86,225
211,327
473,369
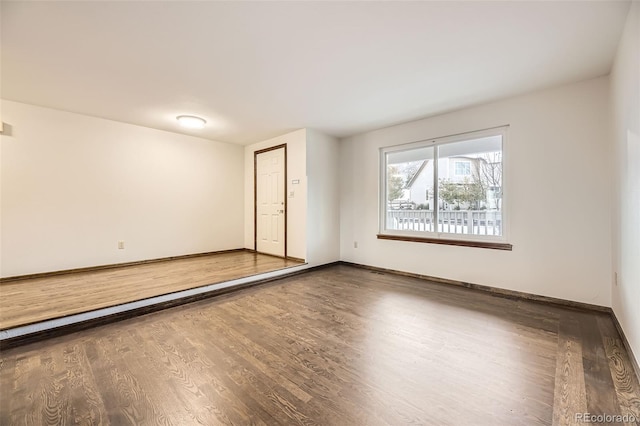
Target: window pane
x,y
409,183
463,168
470,187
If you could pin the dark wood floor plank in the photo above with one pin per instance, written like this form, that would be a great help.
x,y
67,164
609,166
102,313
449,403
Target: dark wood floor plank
x,y
29,391
570,396
596,368
334,346
7,374
81,386
624,378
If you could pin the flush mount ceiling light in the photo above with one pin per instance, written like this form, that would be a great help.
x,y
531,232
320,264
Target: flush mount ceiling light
x,y
191,121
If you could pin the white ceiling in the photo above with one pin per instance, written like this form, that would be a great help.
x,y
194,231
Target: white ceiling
x,y
259,69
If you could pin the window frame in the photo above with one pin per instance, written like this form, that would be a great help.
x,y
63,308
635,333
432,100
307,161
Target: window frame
x,y
485,241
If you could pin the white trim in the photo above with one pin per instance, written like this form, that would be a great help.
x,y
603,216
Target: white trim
x,y
436,142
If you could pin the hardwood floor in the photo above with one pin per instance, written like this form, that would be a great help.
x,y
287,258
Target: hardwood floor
x,y
27,301
336,346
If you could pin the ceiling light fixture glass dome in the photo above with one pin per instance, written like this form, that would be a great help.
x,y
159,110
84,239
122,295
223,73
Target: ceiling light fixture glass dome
x,y
191,121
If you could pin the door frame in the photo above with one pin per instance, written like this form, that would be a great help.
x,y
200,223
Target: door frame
x,y
255,195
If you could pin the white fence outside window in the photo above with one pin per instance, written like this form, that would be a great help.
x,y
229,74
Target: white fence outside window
x,y
471,222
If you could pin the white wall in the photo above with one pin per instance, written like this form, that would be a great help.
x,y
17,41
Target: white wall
x,y
296,204
625,91
558,184
73,185
323,199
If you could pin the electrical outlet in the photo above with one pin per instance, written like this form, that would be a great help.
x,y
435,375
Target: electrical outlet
x,y
355,244
120,245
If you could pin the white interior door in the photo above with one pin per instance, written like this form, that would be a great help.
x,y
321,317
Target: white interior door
x,y
270,202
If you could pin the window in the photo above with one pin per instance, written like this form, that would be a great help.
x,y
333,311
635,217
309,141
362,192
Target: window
x,y
448,190
463,168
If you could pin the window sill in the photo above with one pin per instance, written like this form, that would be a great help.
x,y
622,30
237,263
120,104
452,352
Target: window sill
x,y
463,243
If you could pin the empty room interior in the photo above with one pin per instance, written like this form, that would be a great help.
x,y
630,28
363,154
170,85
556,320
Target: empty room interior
x,y
320,213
